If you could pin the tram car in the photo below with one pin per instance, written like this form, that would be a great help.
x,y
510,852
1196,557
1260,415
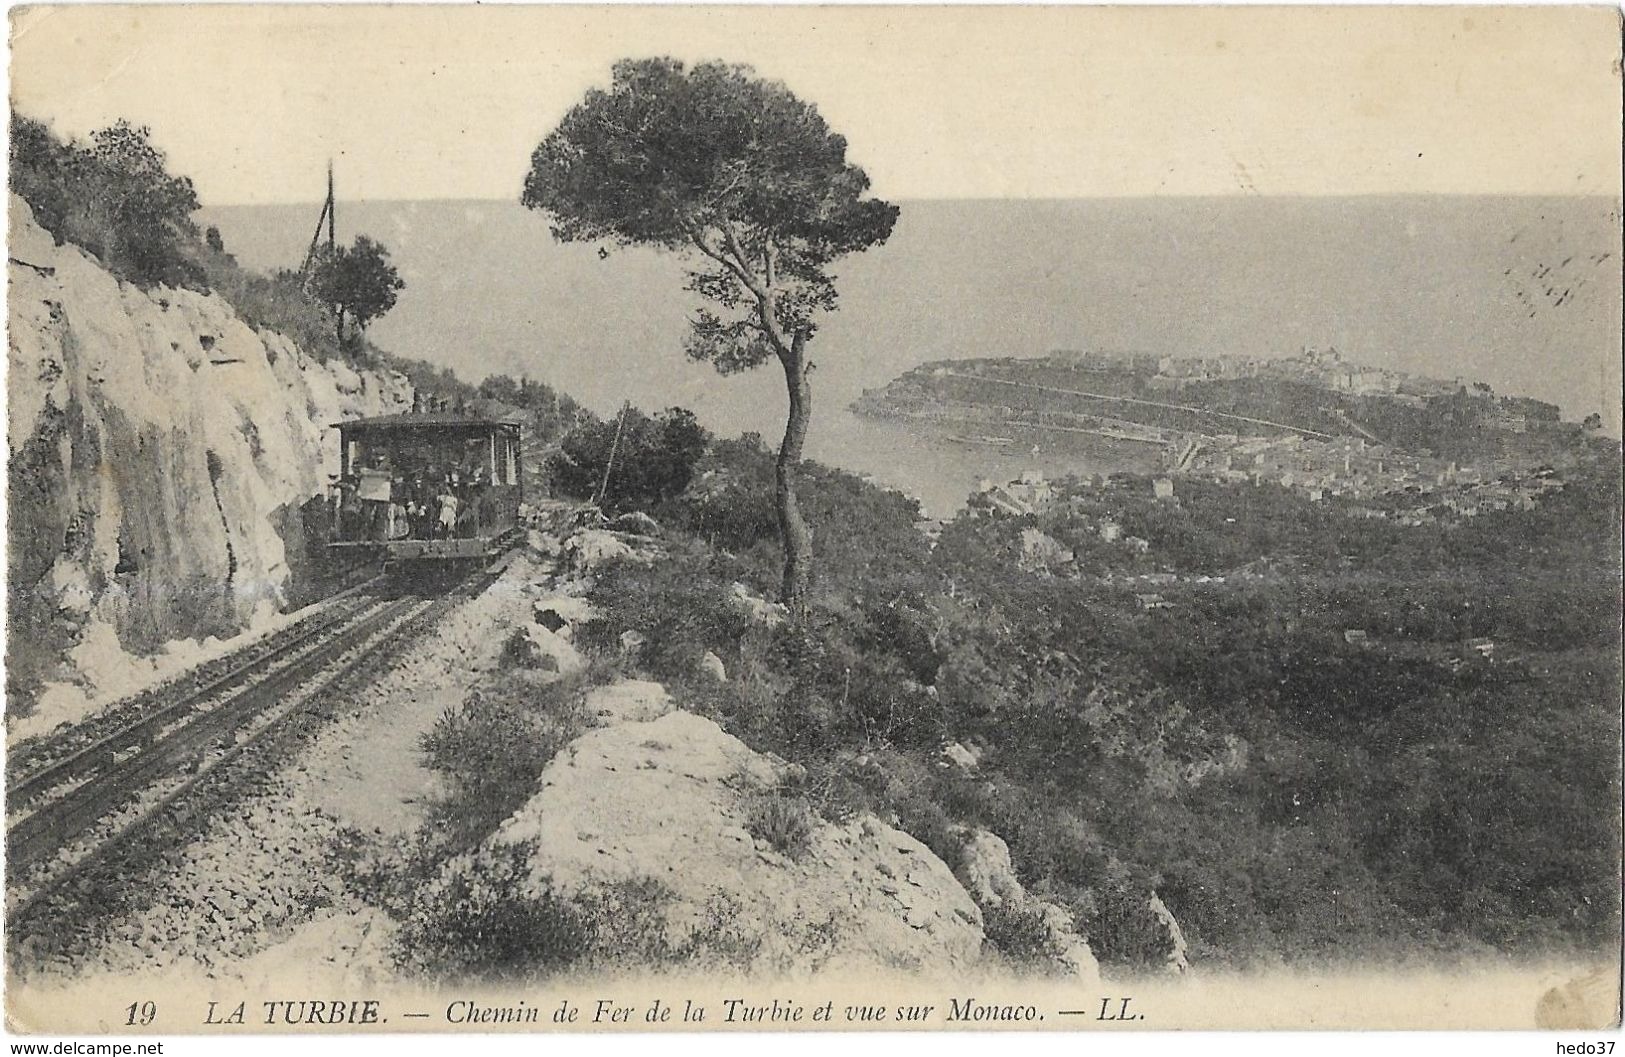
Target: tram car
x,y
426,486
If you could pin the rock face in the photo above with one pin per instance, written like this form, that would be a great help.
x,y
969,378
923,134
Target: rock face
x,y
549,651
669,796
1177,962
628,701
590,549
161,451
989,876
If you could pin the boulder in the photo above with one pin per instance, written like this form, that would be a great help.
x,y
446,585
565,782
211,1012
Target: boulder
x,y
712,665
544,543
961,756
989,876
550,652
759,610
561,613
593,548
675,800
631,641
986,871
637,523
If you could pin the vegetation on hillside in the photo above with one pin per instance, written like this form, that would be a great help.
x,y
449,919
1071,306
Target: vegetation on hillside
x,y
1289,793
112,196
115,198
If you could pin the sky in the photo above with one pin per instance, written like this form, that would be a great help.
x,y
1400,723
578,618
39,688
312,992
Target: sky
x,y
442,102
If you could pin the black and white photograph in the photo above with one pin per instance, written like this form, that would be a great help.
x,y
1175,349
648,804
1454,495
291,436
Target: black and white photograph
x,y
594,519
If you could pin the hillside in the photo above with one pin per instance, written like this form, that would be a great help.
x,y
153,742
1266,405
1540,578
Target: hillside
x,y
1310,735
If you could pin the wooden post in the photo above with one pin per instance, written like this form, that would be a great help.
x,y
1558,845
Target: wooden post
x,y
614,446
332,205
328,217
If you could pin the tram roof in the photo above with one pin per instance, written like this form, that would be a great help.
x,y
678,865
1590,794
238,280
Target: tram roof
x,y
426,420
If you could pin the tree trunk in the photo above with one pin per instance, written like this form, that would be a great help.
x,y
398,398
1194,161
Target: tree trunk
x,y
793,529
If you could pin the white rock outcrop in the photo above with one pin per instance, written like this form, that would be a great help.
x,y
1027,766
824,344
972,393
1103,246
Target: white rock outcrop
x,y
1041,553
161,451
712,666
1177,962
591,549
988,874
673,798
628,701
549,651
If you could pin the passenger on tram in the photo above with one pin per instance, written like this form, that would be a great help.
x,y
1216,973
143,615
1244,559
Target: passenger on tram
x,y
373,487
448,513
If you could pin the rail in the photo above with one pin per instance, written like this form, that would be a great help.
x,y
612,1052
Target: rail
x,y
97,801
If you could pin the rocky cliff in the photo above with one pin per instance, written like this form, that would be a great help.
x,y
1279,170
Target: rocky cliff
x,y
161,452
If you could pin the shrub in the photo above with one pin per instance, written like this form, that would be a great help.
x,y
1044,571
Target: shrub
x,y
730,505
653,459
484,916
785,822
517,651
681,608
1019,934
630,930
493,747
114,197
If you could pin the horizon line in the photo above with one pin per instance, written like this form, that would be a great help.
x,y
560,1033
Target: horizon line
x,y
1617,196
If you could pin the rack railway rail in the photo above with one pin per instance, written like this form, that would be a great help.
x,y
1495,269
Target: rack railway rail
x,y
89,798
45,761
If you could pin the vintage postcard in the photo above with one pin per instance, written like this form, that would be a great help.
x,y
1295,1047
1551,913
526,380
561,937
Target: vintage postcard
x,y
738,519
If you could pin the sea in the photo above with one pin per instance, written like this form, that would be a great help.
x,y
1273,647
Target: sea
x,y
1521,292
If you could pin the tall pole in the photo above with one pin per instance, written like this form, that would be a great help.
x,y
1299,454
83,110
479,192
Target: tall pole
x,y
328,217
332,204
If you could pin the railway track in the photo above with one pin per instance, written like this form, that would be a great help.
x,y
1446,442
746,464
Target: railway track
x,y
110,798
58,754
